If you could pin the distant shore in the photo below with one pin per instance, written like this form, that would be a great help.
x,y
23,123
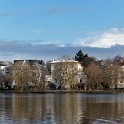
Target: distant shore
x,y
67,91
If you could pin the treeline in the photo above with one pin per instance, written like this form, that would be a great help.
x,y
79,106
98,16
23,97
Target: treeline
x,y
99,74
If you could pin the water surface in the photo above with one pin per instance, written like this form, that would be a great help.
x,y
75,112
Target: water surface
x,y
61,108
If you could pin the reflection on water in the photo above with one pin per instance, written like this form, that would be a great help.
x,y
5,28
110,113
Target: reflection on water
x,y
61,109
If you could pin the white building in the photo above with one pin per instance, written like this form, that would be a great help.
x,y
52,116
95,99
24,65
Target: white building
x,y
120,83
5,69
76,66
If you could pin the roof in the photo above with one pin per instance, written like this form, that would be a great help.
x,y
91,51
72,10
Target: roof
x,y
31,62
5,63
59,61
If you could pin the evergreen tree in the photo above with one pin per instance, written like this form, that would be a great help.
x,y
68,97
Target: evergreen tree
x,y
84,59
79,56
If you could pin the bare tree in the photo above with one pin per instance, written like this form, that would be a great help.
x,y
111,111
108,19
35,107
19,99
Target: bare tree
x,y
65,57
1,79
66,72
38,77
111,72
108,62
94,76
8,77
111,75
22,73
48,67
29,76
118,58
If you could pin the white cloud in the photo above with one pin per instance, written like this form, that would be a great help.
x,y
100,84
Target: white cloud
x,y
103,40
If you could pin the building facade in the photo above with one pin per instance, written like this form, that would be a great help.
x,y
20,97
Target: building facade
x,y
66,74
120,83
5,74
28,73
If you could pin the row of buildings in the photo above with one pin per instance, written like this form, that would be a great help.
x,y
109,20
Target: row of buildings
x,y
35,72
62,73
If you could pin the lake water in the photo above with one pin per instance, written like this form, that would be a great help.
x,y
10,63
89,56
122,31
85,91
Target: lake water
x,y
61,108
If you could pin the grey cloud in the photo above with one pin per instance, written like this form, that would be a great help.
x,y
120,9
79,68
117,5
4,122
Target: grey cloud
x,y
10,50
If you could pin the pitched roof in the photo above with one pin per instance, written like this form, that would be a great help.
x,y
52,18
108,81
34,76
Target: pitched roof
x,y
31,62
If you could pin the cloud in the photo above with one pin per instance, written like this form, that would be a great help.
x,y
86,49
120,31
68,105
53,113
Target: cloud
x,y
103,45
10,50
15,50
104,39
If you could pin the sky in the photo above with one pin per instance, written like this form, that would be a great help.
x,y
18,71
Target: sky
x,y
49,29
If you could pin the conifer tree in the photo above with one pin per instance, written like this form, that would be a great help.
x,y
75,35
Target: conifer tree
x,y
79,56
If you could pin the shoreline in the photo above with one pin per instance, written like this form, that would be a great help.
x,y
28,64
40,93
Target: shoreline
x,y
67,91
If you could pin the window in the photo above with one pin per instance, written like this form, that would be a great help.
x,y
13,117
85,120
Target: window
x,y
80,80
121,81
